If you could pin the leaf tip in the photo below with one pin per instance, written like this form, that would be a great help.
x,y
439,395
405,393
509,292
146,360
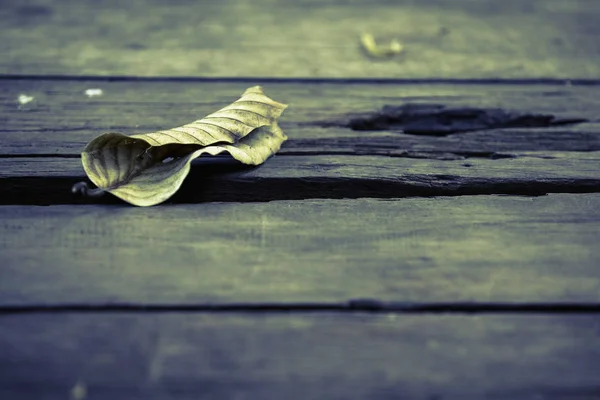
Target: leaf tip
x,y
254,89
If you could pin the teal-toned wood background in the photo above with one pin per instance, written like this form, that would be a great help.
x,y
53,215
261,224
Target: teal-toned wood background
x,y
443,247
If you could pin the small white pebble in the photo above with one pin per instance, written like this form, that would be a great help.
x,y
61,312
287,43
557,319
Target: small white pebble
x,y
93,92
24,99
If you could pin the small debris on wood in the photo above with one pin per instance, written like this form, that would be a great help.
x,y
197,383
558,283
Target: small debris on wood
x,y
373,49
93,92
24,99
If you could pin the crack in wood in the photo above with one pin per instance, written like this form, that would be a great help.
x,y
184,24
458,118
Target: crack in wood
x,y
453,155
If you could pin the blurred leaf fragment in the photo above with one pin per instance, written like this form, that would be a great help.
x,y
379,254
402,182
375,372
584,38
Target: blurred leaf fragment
x,y
380,51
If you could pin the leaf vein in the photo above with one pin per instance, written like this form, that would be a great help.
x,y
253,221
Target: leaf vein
x,y
169,135
250,111
220,127
185,133
233,119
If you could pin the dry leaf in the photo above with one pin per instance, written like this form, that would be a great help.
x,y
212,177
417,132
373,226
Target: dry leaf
x,y
147,169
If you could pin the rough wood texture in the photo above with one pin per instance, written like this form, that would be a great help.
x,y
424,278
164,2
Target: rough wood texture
x,y
125,357
268,38
62,119
485,248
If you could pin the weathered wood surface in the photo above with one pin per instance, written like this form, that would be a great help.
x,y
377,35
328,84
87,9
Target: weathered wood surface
x,y
268,38
453,249
183,356
455,254
61,119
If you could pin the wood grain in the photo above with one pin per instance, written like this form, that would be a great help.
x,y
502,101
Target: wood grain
x,y
268,38
184,356
62,119
472,248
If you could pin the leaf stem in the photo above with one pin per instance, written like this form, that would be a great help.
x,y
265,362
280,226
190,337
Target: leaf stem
x,y
86,191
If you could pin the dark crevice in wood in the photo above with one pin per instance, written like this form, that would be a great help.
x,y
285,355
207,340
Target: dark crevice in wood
x,y
441,120
200,189
357,305
452,155
258,80
432,155
40,155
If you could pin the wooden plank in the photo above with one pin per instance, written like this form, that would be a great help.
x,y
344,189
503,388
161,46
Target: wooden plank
x,y
45,181
447,249
181,356
459,39
61,119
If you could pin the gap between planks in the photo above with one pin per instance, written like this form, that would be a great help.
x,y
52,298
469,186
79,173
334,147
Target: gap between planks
x,y
368,306
259,80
